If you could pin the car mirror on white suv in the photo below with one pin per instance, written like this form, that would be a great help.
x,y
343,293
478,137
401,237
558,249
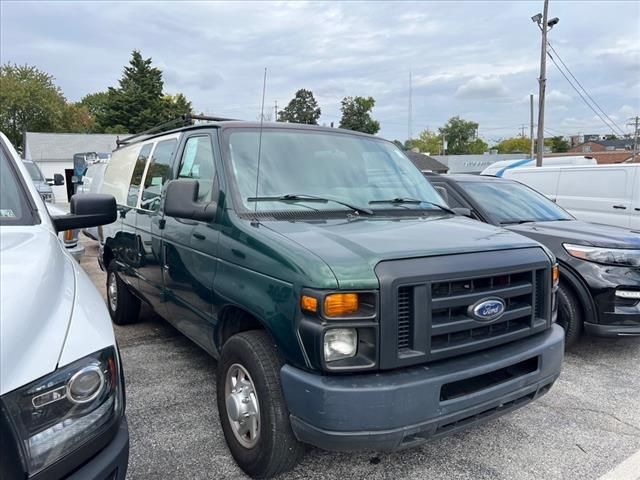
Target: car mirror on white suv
x,y
87,210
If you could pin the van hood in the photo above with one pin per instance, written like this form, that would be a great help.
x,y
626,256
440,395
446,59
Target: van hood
x,y
36,303
583,233
352,248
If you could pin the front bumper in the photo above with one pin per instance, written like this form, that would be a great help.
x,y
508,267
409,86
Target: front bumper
x,y
405,407
111,462
616,316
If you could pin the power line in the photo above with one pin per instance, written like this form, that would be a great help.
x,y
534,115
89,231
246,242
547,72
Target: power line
x,y
584,89
582,96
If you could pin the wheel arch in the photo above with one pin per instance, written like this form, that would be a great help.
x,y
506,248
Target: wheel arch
x,y
570,278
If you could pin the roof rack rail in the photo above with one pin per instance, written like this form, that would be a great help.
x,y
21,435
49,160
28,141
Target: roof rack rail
x,y
182,120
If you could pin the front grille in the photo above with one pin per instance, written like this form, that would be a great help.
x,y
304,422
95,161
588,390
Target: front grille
x,y
431,304
405,314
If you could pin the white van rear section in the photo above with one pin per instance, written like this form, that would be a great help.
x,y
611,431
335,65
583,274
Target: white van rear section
x,y
498,169
608,194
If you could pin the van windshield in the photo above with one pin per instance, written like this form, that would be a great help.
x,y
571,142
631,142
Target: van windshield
x,y
347,170
511,202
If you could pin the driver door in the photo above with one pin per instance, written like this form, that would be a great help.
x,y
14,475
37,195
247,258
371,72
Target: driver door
x,y
190,248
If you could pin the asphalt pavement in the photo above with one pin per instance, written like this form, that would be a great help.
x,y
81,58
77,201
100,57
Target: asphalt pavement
x,y
583,428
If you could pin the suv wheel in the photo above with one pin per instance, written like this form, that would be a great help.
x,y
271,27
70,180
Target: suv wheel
x,y
252,410
569,316
123,305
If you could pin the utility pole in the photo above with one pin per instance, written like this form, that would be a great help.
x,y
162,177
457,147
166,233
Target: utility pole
x,y
531,125
542,84
275,109
635,123
410,118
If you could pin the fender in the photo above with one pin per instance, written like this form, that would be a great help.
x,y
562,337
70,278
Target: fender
x,y
575,281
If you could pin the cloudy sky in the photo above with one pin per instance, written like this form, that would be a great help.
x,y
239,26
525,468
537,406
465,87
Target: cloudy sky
x,y
475,59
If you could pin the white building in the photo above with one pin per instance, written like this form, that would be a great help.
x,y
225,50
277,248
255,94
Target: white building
x,y
53,152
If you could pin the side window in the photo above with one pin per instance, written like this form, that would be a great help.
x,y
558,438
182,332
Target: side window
x,y
197,163
136,177
453,200
158,173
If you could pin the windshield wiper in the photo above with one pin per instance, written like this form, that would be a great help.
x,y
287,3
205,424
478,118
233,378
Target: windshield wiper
x,y
295,197
518,222
404,200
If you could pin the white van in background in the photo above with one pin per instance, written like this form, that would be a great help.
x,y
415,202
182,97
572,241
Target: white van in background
x,y
608,194
498,169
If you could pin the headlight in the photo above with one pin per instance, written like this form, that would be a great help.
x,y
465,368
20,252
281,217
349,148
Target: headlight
x,y
60,412
607,256
340,343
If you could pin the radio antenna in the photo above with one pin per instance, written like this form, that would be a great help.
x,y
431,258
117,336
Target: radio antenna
x,y
255,221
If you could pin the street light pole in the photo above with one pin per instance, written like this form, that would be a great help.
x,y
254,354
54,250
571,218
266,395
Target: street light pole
x,y
542,83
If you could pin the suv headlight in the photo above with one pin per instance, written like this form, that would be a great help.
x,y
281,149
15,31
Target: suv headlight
x,y
608,256
66,409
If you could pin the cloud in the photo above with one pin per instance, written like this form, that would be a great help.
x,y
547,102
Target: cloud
x,y
482,88
461,64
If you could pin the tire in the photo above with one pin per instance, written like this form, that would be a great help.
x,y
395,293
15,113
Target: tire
x,y
569,316
124,308
275,448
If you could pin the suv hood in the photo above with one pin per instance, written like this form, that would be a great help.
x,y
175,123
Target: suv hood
x,y
352,248
583,233
36,303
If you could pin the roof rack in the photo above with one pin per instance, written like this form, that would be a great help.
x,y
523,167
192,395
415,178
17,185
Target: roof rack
x,y
182,120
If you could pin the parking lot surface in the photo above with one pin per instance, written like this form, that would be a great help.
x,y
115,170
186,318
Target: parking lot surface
x,y
587,425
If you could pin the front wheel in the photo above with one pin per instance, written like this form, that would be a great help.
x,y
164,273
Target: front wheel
x,y
252,409
123,306
569,316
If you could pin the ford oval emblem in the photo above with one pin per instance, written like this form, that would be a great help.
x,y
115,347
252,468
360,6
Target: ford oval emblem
x,y
487,309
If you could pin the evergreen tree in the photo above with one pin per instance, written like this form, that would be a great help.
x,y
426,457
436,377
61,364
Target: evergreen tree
x,y
303,108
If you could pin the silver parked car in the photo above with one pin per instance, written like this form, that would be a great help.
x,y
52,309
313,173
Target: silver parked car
x,y
61,384
42,184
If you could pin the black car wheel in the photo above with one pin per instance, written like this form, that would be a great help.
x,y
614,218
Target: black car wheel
x,y
123,305
569,315
252,409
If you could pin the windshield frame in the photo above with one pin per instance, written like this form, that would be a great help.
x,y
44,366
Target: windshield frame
x,y
488,212
339,211
30,214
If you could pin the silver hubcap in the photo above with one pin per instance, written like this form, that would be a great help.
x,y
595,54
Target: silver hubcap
x,y
112,292
243,408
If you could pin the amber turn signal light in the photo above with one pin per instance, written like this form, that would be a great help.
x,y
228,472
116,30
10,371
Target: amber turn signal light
x,y
310,304
340,304
556,275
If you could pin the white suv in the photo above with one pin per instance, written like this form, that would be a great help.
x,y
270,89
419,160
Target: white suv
x,y
61,384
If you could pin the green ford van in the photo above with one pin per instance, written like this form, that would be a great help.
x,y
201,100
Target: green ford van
x,y
346,306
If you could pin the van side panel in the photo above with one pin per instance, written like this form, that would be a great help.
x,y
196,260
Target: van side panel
x,y
117,175
598,195
635,210
544,181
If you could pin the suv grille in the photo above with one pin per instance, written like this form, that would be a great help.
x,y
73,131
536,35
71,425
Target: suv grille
x,y
427,316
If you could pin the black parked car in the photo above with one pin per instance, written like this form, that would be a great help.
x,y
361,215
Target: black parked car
x,y
599,264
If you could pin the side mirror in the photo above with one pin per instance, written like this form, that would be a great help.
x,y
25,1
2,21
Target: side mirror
x,y
87,210
57,180
464,212
181,201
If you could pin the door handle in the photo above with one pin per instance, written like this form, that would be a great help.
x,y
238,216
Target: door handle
x,y
619,207
199,236
637,209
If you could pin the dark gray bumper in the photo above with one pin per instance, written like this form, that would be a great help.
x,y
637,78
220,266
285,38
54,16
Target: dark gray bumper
x,y
401,408
603,330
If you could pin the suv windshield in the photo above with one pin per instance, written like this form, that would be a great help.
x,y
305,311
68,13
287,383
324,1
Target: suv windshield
x,y
14,209
365,173
34,172
512,202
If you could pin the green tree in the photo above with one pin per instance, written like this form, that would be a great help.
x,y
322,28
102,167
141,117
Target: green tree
x,y
460,135
558,144
138,103
303,108
29,101
477,147
428,142
514,145
96,105
356,115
